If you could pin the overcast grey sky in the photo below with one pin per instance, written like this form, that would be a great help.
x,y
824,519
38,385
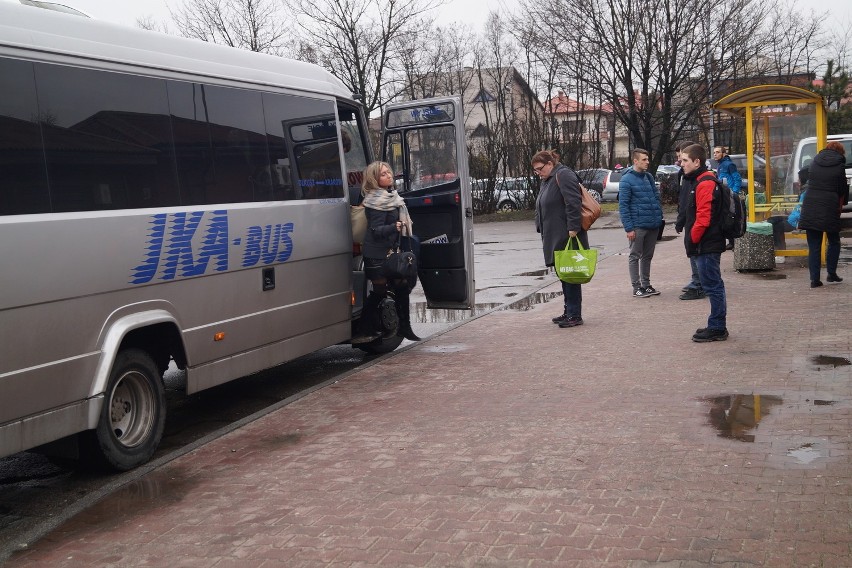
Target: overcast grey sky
x,y
126,11
473,12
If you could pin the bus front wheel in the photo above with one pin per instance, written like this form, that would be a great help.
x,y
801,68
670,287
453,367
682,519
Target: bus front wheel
x,y
133,414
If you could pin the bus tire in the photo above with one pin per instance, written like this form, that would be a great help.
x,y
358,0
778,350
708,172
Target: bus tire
x,y
382,345
133,415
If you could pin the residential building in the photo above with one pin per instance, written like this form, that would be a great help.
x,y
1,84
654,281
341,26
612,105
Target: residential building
x,y
589,132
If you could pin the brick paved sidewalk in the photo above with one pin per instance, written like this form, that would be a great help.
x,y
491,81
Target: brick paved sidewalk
x,y
510,442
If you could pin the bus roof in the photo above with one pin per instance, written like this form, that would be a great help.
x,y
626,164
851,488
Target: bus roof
x,y
55,37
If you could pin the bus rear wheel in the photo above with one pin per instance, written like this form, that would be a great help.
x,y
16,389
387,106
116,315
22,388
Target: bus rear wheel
x,y
381,345
133,415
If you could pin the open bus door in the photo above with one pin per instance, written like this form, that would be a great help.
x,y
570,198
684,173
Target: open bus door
x,y
424,142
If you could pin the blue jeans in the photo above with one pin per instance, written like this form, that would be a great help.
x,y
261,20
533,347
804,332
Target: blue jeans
x,y
573,296
695,283
710,272
832,253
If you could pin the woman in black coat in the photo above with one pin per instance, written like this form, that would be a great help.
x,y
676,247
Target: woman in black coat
x,y
827,193
558,215
387,222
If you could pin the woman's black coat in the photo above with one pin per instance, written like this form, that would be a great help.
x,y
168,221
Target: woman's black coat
x,y
827,192
381,232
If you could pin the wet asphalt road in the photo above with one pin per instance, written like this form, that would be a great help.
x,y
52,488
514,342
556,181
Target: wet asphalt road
x,y
37,494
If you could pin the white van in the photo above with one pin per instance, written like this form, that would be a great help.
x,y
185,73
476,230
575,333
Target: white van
x,y
806,151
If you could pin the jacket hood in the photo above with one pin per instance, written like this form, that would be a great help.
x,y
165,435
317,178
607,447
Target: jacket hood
x,y
829,158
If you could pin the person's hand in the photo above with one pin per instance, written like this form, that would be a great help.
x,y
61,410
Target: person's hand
x,y
399,226
631,235
572,234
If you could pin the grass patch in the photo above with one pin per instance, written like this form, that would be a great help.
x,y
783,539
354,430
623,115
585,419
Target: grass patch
x,y
525,215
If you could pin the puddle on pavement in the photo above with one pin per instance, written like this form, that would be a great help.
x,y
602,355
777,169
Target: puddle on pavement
x,y
424,315
830,361
805,454
736,416
149,493
669,238
767,275
544,272
452,348
824,402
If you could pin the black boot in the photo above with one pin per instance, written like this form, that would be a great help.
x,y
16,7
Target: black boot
x,y
403,310
368,330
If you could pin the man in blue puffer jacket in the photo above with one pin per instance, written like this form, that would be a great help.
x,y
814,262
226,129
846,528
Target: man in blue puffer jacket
x,y
641,216
728,174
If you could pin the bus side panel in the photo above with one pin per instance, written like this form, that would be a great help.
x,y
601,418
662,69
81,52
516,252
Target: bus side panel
x,y
242,364
79,273
31,391
312,303
37,430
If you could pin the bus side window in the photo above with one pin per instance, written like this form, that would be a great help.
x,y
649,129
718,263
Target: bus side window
x,y
220,141
23,173
107,139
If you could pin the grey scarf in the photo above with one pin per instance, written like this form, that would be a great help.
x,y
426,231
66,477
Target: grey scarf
x,y
388,200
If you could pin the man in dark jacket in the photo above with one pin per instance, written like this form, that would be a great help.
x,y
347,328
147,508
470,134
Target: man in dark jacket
x,y
641,215
704,240
692,291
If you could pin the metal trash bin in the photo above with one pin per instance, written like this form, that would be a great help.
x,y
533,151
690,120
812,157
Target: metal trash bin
x,y
756,249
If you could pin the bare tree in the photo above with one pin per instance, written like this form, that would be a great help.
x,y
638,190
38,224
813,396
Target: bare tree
x,y
432,60
256,25
355,39
792,41
149,23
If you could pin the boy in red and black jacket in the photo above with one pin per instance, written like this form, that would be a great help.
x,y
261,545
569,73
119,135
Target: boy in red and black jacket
x,y
704,241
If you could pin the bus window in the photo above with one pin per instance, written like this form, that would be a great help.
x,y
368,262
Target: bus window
x,y
433,156
220,143
107,139
23,177
353,137
394,156
317,156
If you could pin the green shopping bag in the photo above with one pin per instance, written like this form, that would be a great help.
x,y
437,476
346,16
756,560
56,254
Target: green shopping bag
x,y
575,264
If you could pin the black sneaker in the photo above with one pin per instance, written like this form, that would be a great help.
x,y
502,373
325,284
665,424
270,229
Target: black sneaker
x,y
573,321
707,334
641,293
559,319
651,291
816,283
834,279
693,294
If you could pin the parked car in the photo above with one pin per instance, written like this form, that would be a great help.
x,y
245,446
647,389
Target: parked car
x,y
666,178
610,190
509,194
595,180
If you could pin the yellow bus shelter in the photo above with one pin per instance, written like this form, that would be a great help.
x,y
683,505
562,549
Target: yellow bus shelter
x,y
776,117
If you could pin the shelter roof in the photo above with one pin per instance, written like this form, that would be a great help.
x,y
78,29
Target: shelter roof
x,y
766,95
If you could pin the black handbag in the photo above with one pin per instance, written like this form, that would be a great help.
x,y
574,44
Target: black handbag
x,y
400,264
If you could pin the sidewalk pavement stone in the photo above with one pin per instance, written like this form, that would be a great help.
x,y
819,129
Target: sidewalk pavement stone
x,y
508,441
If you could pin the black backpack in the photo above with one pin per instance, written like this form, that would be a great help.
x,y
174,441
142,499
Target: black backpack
x,y
731,209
